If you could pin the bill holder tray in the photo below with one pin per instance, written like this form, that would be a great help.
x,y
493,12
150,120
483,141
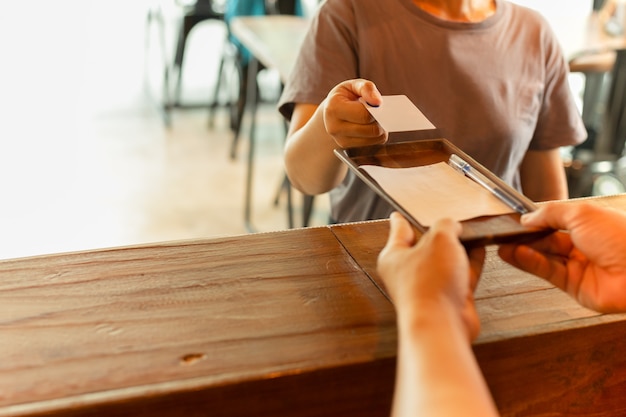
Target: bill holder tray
x,y
483,230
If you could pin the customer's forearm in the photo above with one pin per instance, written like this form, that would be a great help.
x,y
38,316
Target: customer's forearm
x,y
437,372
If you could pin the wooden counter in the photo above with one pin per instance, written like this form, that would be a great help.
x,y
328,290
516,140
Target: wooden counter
x,y
270,324
289,323
540,351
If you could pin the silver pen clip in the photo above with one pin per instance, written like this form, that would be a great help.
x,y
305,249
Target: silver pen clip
x,y
463,167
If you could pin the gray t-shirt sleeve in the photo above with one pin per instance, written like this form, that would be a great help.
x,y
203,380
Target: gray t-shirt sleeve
x,y
327,57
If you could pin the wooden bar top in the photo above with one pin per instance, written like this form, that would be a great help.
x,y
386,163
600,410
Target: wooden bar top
x,y
290,323
280,323
540,351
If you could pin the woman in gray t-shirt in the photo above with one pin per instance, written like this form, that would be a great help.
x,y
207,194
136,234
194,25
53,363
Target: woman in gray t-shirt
x,y
490,75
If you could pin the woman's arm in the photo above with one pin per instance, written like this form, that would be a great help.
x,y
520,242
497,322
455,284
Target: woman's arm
x,y
543,177
340,121
310,162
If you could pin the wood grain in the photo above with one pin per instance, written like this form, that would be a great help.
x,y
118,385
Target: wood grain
x,y
575,371
540,351
132,328
291,323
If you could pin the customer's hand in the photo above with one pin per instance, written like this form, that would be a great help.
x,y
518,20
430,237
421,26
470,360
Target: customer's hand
x,y
435,272
347,120
587,258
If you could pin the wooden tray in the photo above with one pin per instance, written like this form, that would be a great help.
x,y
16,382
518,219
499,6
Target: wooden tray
x,y
482,230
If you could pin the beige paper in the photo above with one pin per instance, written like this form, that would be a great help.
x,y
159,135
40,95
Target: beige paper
x,y
436,191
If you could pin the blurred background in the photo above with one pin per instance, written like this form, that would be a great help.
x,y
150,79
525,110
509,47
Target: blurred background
x,y
86,159
89,158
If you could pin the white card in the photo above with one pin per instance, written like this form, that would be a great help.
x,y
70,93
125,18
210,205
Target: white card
x,y
398,114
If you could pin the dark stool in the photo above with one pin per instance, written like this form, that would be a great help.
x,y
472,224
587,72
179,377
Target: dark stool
x,y
201,11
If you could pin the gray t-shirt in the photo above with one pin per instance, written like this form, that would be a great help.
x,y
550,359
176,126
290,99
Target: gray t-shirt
x,y
495,88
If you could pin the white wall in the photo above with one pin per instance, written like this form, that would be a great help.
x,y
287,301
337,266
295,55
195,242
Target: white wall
x,y
567,17
309,6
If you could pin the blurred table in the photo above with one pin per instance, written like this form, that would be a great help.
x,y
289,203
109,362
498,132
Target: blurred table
x,y
290,323
274,41
598,35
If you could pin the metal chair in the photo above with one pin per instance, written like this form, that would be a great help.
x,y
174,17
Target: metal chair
x,y
238,57
200,11
248,90
191,14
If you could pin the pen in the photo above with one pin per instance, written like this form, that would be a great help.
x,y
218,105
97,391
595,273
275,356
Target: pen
x,y
460,165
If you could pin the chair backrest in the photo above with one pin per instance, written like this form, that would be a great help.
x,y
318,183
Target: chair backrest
x,y
597,4
208,6
236,8
260,7
282,7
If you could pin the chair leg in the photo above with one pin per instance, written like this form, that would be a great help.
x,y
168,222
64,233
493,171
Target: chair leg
x,y
218,83
185,28
307,204
237,108
285,186
156,15
307,209
253,106
619,105
188,23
